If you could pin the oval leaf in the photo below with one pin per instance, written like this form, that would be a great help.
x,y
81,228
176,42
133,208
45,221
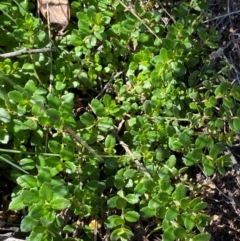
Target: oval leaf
x,y
131,216
60,203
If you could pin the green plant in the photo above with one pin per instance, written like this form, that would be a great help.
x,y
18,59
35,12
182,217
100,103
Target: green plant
x,y
155,106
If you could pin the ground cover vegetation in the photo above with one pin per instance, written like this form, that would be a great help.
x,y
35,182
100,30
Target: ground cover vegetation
x,y
100,135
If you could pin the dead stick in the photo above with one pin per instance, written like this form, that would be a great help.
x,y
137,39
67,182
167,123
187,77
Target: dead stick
x,y
130,9
82,142
26,51
126,148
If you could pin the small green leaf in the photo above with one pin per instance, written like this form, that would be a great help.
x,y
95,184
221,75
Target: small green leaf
x,y
172,213
179,233
216,150
30,196
121,203
4,136
15,96
29,125
122,233
208,166
190,160
38,234
112,201
54,146
202,237
155,203
111,163
174,144
105,123
164,55
200,5
194,202
60,85
27,181
178,68
59,191
87,119
88,169
170,130
44,175
171,162
228,102
67,98
235,92
28,224
53,161
147,212
236,125
139,188
45,192
168,234
110,141
28,66
200,206
185,139
129,173
48,217
165,184
76,39
53,101
27,163
98,107
69,167
189,221
203,141
147,108
92,185
193,78
163,197
222,89
53,115
132,198
68,229
131,216
4,116
60,203
17,203
180,192
113,221
67,153
36,210
107,100
197,153
168,43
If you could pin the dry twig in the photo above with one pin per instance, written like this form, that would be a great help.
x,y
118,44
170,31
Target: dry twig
x,y
113,77
221,16
130,9
26,51
82,142
210,181
126,148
